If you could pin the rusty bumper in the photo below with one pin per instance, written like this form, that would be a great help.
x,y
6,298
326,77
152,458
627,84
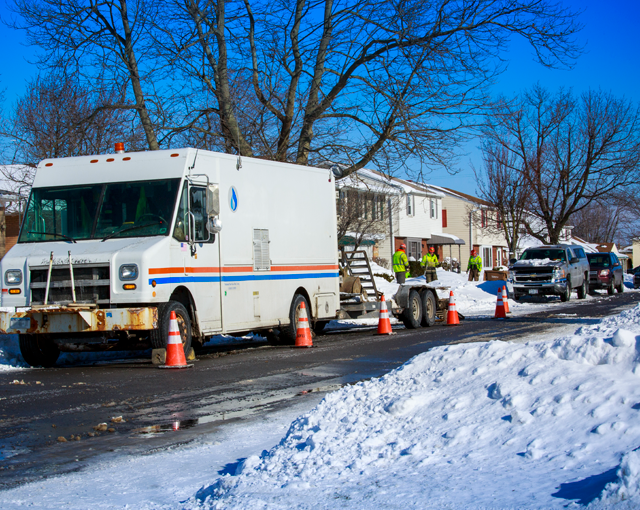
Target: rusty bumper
x,y
72,320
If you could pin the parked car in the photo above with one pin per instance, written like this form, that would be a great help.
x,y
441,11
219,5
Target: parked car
x,y
545,270
605,272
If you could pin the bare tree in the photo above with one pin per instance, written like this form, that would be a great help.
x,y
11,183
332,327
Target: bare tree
x,y
599,222
569,151
355,82
500,184
99,40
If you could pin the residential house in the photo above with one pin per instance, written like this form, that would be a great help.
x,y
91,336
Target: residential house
x,y
404,213
476,222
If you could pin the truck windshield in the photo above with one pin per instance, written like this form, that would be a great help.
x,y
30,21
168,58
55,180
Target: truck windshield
x,y
131,209
544,254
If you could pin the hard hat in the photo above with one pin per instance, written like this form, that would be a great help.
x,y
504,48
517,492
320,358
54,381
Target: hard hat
x,y
403,246
432,249
473,253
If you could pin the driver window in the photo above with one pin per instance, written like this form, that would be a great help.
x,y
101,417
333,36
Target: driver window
x,y
180,230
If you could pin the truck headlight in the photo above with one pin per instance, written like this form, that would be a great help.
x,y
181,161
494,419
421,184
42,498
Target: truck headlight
x,y
510,276
128,271
604,272
13,277
558,273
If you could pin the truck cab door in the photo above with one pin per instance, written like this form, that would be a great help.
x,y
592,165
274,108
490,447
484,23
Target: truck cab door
x,y
200,253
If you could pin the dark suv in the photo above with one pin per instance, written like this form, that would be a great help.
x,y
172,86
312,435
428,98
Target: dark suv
x,y
605,272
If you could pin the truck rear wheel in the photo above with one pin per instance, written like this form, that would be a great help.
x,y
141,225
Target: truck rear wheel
x,y
38,350
160,336
288,333
620,288
582,290
412,314
428,309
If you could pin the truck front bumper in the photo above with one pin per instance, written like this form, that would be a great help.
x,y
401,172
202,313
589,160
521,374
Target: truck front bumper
x,y
76,320
544,289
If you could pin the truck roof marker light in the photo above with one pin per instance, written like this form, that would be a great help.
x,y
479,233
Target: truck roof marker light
x,y
119,148
110,160
175,155
126,159
48,164
93,161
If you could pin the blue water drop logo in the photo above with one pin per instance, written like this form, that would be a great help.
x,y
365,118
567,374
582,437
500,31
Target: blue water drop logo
x,y
233,198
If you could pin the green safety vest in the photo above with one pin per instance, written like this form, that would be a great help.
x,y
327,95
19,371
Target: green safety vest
x,y
429,260
475,262
400,262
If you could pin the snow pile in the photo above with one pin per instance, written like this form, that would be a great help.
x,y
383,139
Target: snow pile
x,y
465,426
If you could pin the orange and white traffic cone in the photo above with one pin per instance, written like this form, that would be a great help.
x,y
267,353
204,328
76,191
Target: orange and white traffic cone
x,y
452,313
175,352
505,299
303,333
500,314
384,324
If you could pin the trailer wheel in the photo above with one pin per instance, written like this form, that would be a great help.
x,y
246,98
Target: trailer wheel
x,y
38,350
412,315
289,332
160,336
428,309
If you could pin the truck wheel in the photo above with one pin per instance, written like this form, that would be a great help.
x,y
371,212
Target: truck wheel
x,y
412,315
288,333
610,288
160,336
620,287
38,350
566,295
428,309
582,290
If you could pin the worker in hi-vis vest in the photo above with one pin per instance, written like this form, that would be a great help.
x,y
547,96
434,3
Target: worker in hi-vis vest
x,y
401,264
430,262
474,266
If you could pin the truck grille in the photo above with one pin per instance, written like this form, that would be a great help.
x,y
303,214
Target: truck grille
x,y
92,284
533,276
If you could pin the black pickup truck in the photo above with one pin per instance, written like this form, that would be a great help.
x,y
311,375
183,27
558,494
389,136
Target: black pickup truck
x,y
550,270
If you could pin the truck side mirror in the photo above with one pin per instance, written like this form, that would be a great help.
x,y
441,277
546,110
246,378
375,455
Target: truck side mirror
x,y
574,260
512,261
213,200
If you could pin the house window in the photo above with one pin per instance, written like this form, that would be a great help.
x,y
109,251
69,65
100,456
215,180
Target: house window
x,y
499,220
380,207
434,208
483,218
487,256
410,205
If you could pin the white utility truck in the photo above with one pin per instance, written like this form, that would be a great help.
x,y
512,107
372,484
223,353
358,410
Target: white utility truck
x,y
110,245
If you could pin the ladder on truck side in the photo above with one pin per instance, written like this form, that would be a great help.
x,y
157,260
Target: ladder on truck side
x,y
357,264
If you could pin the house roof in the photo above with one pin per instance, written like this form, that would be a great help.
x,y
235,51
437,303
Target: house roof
x,y
463,196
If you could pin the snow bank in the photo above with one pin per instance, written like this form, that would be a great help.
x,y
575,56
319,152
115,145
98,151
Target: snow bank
x,y
495,424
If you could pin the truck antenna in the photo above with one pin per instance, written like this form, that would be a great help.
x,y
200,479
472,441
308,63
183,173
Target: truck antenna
x,y
194,161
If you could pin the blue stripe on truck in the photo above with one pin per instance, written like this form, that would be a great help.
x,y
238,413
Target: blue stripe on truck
x,y
241,278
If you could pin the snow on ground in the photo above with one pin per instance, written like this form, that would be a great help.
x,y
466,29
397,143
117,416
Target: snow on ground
x,y
535,424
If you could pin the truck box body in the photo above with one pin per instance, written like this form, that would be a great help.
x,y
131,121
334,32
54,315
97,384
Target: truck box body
x,y
277,239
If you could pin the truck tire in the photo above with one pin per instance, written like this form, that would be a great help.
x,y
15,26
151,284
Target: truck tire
x,y
566,295
38,350
620,288
428,309
288,333
582,290
610,288
160,336
412,315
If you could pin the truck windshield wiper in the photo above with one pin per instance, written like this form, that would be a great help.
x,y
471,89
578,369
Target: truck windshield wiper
x,y
133,227
68,238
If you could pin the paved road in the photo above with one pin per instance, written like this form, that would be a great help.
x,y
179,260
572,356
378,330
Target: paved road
x,y
226,384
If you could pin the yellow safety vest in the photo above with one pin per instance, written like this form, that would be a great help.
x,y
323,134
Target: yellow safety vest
x,y
400,262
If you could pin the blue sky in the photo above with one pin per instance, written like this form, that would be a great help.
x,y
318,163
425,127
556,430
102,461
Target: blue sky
x,y
611,62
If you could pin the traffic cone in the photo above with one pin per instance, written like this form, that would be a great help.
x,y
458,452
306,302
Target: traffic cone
x,y
500,314
303,333
505,299
175,352
384,324
452,314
